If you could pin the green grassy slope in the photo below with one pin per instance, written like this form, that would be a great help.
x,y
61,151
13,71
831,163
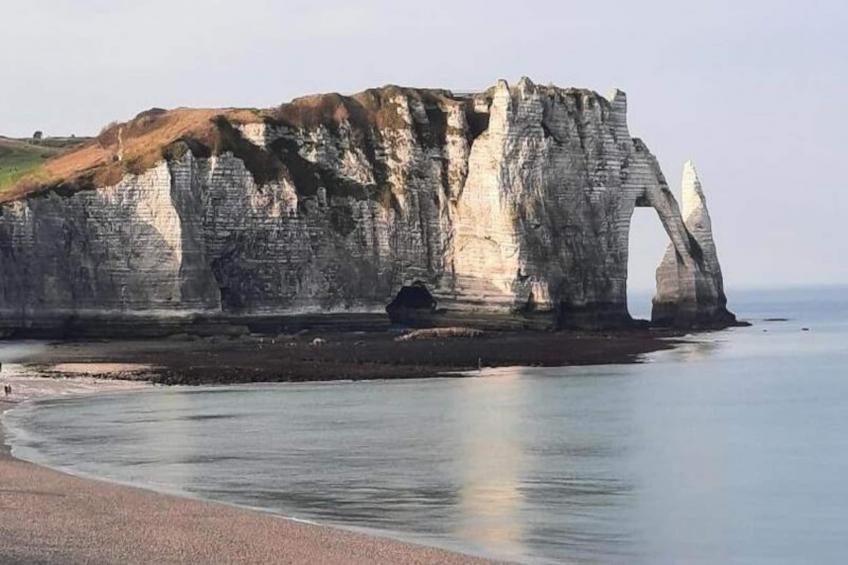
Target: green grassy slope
x,y
19,158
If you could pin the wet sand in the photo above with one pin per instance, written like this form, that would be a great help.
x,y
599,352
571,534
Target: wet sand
x,y
51,517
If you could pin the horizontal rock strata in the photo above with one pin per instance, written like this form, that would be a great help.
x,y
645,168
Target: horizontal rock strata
x,y
506,208
692,294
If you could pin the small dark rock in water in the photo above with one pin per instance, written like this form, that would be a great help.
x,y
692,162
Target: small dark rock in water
x,y
776,319
805,329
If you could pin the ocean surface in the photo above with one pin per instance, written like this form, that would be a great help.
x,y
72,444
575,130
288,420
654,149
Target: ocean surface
x,y
730,449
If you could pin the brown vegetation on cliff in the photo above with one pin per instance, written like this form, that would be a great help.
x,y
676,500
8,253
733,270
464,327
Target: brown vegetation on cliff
x,y
130,147
135,146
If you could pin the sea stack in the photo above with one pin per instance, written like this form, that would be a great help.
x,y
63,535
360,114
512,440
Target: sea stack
x,y
506,208
684,299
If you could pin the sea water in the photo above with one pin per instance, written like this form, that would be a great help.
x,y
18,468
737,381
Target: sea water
x,y
730,449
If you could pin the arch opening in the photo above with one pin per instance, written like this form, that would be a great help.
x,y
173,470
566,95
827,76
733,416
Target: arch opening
x,y
647,243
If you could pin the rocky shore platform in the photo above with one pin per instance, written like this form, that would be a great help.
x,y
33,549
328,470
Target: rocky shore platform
x,y
313,355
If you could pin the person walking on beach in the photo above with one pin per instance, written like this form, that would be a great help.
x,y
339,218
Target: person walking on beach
x,y
7,389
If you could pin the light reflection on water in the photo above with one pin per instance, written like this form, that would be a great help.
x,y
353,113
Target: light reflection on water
x,y
491,462
728,449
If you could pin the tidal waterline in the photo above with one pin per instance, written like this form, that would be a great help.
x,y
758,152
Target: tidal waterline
x,y
732,448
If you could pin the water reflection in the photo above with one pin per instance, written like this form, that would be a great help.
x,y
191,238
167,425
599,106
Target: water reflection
x,y
732,448
491,461
167,439
703,348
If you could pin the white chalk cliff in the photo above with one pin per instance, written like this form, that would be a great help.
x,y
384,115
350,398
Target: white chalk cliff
x,y
684,297
509,207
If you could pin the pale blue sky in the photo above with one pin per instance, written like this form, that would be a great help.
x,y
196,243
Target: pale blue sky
x,y
752,91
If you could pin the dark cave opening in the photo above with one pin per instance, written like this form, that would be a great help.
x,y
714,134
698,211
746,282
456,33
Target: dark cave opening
x,y
411,303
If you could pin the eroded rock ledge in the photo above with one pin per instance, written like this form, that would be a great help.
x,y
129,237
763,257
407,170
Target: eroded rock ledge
x,y
506,208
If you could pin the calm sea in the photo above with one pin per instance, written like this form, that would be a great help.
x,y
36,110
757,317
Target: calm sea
x,y
732,449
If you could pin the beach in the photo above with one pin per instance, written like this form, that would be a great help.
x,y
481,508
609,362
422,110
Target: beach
x,y
48,516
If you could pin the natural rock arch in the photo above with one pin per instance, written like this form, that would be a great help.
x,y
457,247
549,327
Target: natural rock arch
x,y
689,286
512,206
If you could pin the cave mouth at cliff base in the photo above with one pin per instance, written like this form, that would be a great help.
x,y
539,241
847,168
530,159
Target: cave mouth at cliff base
x,y
412,304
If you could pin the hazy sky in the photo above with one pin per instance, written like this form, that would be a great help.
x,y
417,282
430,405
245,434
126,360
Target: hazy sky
x,y
753,91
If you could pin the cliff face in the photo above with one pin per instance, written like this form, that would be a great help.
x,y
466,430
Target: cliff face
x,y
508,207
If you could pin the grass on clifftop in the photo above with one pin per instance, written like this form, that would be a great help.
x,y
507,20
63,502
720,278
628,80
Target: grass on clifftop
x,y
121,148
137,145
23,158
19,158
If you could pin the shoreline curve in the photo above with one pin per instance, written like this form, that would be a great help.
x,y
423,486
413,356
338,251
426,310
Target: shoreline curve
x,y
52,515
